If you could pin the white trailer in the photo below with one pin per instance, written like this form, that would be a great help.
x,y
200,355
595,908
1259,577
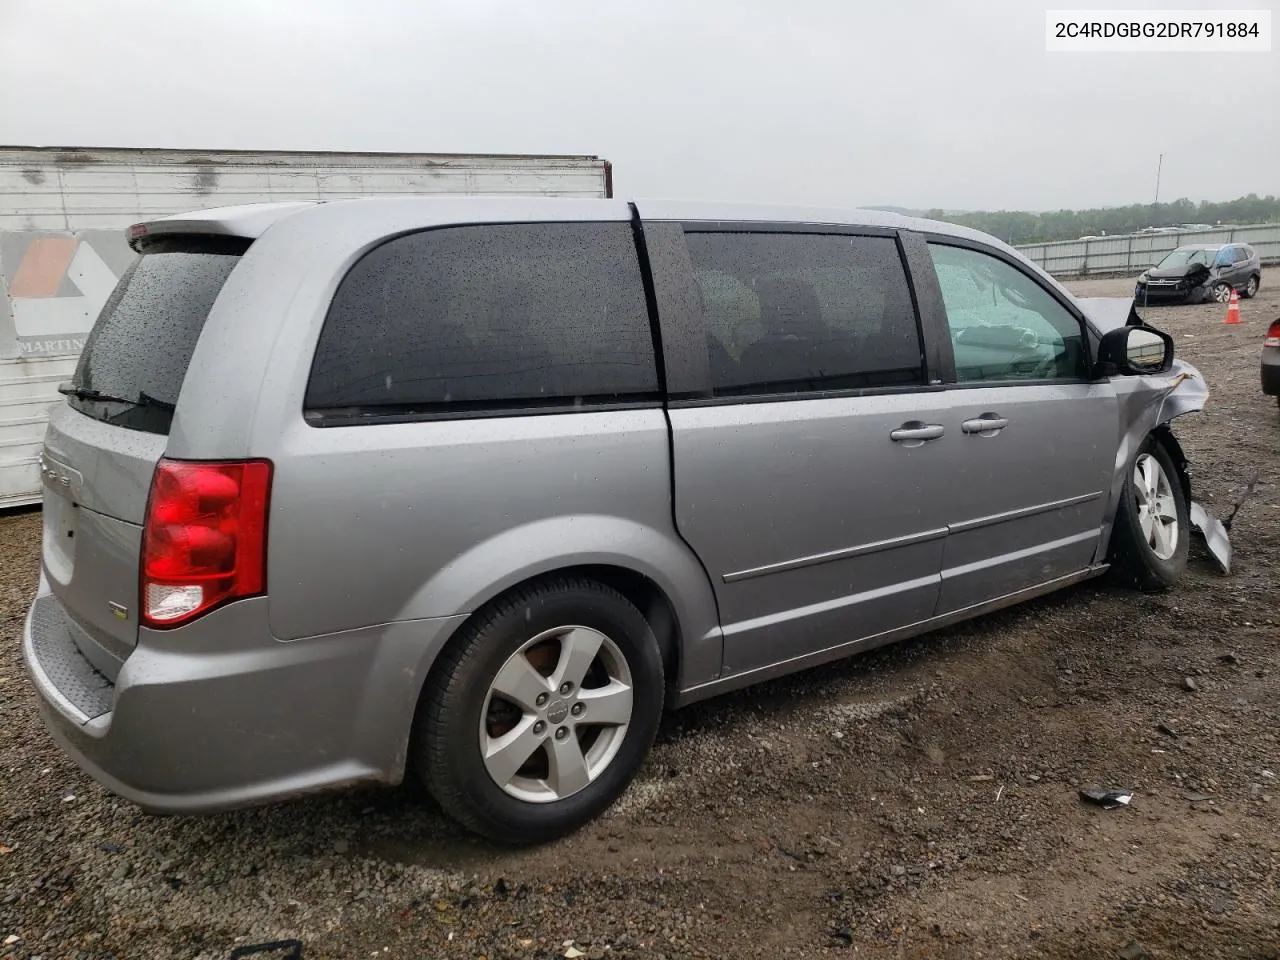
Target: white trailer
x,y
63,212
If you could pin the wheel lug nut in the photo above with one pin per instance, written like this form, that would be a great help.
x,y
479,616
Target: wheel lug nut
x,y
542,699
562,733
566,687
539,726
577,709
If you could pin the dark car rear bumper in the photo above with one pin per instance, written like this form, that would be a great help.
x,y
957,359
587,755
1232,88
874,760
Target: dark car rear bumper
x,y
1271,371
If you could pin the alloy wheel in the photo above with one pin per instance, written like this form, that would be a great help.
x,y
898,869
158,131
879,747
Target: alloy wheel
x,y
556,714
1157,511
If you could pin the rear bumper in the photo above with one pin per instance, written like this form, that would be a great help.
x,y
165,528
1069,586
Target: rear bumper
x,y
219,714
1271,371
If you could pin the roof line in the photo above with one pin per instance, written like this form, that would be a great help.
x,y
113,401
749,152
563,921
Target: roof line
x,y
293,153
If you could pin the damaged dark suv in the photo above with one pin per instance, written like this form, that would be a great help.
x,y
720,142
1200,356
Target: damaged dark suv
x,y
1199,274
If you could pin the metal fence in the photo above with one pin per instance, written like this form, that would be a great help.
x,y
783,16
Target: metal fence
x,y
1133,253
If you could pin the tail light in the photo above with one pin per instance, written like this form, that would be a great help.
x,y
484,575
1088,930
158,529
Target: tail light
x,y
204,541
1273,335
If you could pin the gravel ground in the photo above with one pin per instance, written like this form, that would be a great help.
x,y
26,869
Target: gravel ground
x,y
920,801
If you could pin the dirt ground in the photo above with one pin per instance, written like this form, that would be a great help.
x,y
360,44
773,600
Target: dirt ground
x,y
920,801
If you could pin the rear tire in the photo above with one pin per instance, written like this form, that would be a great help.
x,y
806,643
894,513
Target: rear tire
x,y
1251,288
1151,535
525,678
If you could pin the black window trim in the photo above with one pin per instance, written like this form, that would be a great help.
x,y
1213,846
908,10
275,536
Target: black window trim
x,y
1087,332
693,327
327,417
500,409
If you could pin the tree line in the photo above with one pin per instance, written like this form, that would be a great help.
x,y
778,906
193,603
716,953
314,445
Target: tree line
x,y
1017,227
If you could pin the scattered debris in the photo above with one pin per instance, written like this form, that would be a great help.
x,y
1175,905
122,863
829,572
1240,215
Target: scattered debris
x,y
982,778
1215,535
1167,730
1248,492
280,949
4,849
844,935
1189,683
573,952
1106,799
13,938
1229,658
1197,797
1134,951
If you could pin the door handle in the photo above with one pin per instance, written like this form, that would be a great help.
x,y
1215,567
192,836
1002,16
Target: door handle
x,y
987,425
913,433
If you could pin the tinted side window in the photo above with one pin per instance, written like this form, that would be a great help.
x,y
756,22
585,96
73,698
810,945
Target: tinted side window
x,y
1241,254
488,316
790,312
1004,325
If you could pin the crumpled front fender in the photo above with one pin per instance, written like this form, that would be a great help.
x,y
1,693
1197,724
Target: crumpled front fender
x,y
1147,405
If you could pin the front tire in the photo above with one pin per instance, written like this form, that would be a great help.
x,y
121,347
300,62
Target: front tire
x,y
540,713
1221,292
1151,536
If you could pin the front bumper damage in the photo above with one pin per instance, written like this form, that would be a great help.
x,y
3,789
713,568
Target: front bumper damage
x,y
1215,535
1154,296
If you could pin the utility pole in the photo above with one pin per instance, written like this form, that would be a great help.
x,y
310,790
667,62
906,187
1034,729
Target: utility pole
x,y
1159,165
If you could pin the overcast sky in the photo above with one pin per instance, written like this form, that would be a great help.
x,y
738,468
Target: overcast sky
x,y
919,103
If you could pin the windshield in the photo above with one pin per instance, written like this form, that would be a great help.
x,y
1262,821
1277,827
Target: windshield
x,y
137,354
1186,255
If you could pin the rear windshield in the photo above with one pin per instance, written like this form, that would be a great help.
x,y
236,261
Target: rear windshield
x,y
137,354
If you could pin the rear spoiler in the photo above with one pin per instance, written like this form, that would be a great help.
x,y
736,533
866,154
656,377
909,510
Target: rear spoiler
x,y
247,221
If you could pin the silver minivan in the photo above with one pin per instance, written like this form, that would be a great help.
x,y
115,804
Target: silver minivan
x,y
476,488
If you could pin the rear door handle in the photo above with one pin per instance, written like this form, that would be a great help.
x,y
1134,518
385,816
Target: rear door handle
x,y
987,425
913,433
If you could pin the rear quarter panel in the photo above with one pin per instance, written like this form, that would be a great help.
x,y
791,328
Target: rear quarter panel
x,y
373,524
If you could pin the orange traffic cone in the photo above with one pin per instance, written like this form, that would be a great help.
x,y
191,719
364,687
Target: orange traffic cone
x,y
1233,308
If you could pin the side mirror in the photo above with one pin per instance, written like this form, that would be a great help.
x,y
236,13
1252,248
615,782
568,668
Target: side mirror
x,y
1134,351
